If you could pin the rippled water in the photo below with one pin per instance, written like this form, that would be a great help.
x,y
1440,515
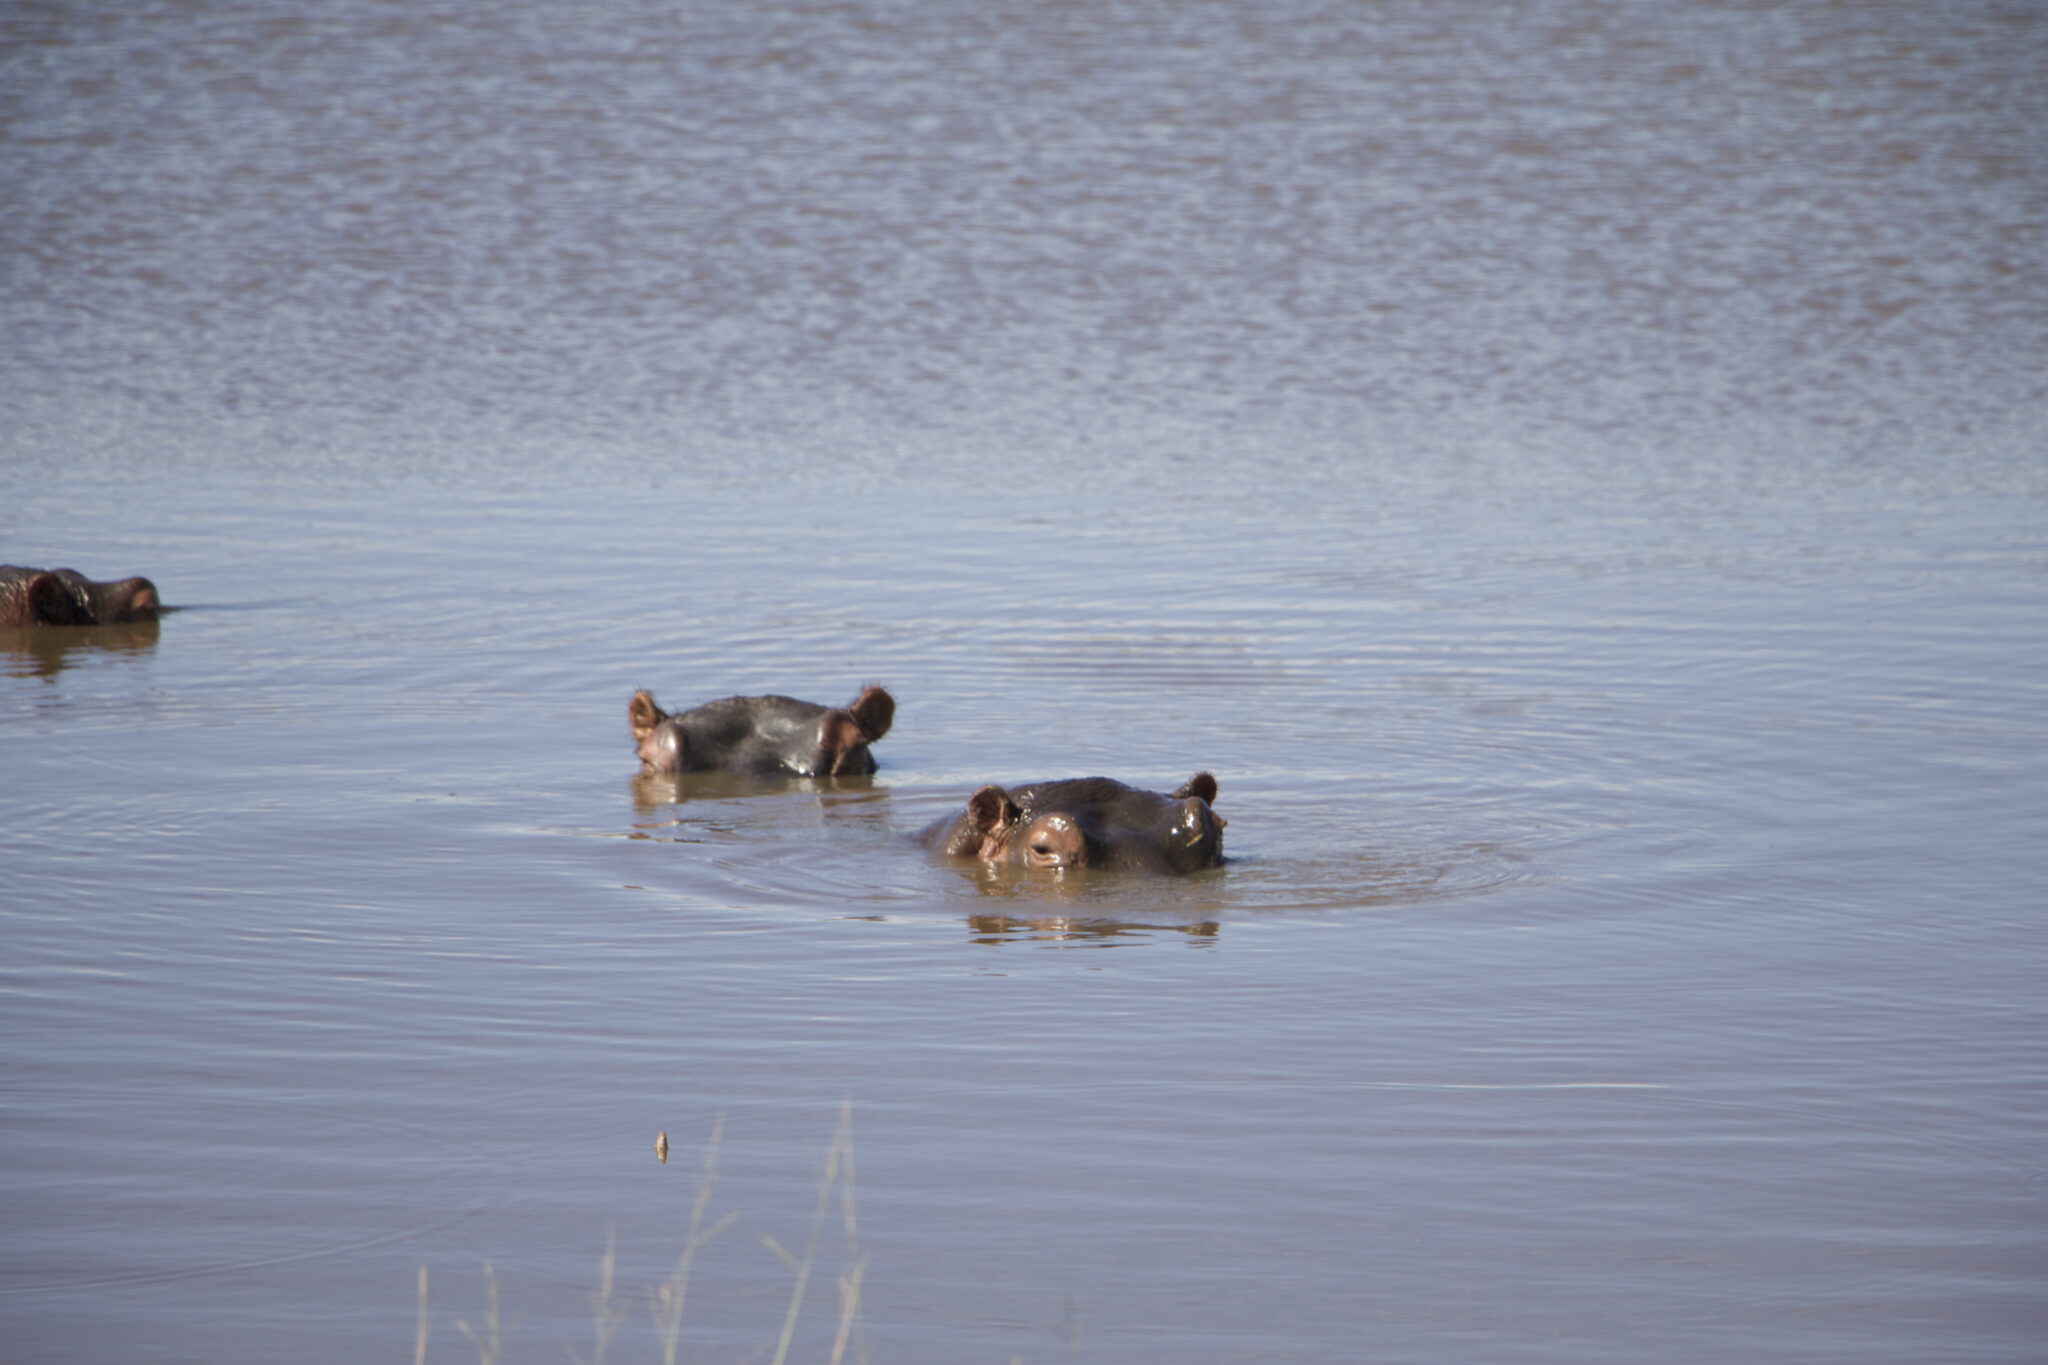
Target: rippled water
x,y
1575,474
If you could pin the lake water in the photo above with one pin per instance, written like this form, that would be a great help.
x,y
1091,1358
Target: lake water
x,y
1576,473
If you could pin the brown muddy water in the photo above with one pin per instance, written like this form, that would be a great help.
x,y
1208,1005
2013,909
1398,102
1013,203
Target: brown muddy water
x,y
1574,472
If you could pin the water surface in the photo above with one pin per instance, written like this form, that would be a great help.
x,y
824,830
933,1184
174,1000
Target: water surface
x,y
1575,476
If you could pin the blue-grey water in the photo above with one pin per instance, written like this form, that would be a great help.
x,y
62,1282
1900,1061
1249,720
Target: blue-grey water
x,y
1576,473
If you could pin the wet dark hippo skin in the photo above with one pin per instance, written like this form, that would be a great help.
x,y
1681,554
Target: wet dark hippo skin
x,y
1093,822
761,735
65,597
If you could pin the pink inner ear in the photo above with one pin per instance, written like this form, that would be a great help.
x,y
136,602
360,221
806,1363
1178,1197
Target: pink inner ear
x,y
988,808
141,602
643,715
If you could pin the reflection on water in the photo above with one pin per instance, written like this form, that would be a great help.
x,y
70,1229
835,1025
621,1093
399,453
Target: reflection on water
x,y
654,790
1108,887
999,929
45,651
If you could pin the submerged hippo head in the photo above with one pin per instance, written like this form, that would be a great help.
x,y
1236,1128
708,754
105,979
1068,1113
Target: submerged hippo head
x,y
65,597
761,735
1087,822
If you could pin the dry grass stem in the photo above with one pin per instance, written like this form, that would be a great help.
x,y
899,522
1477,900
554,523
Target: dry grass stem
x,y
419,1342
666,1302
605,1313
849,1310
489,1343
840,1157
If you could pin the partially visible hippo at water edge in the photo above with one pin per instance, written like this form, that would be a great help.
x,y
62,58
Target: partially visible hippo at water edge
x,y
65,597
1086,822
762,735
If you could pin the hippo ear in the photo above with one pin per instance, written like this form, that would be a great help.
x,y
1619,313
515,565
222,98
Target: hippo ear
x,y
1202,785
133,599
51,601
643,715
989,809
873,711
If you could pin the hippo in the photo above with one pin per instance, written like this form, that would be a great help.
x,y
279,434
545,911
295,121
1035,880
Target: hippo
x,y
762,735
1094,822
65,597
